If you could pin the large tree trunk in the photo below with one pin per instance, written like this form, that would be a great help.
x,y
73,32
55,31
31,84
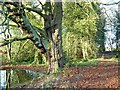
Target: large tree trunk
x,y
54,20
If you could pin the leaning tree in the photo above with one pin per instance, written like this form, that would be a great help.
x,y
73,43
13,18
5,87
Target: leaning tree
x,y
51,13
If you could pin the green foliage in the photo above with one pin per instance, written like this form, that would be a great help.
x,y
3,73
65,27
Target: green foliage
x,y
79,30
83,33
118,59
100,24
24,53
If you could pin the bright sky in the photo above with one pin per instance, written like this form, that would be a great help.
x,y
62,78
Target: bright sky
x,y
109,1
110,9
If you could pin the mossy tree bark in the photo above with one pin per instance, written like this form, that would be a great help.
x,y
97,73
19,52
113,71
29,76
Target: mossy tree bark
x,y
54,20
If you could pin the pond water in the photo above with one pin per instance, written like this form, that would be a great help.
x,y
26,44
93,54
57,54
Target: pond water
x,y
16,77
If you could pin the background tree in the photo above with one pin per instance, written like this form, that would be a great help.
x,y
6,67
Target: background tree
x,y
100,34
117,25
80,30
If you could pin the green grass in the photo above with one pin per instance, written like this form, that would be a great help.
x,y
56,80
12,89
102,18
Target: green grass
x,y
115,59
91,62
81,63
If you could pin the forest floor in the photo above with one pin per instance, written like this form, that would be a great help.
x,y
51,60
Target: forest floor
x,y
104,75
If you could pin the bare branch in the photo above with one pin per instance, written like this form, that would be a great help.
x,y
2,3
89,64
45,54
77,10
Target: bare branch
x,y
9,25
82,9
40,2
15,39
38,11
111,3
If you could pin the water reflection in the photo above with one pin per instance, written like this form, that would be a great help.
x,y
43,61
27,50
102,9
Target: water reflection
x,y
13,78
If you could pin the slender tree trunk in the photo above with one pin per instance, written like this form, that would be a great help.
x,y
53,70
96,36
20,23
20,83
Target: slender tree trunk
x,y
8,47
8,74
84,50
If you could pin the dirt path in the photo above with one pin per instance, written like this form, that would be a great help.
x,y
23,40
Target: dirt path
x,y
105,75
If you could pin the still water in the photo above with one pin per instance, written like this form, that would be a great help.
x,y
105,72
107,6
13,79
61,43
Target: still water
x,y
17,77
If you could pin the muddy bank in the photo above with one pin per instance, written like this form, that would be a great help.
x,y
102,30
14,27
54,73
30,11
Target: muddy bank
x,y
42,68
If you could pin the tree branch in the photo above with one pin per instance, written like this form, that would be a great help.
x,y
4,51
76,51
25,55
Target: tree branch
x,y
15,39
111,3
5,24
82,9
36,10
1,12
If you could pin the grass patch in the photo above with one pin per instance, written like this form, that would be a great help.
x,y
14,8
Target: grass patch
x,y
81,63
115,59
